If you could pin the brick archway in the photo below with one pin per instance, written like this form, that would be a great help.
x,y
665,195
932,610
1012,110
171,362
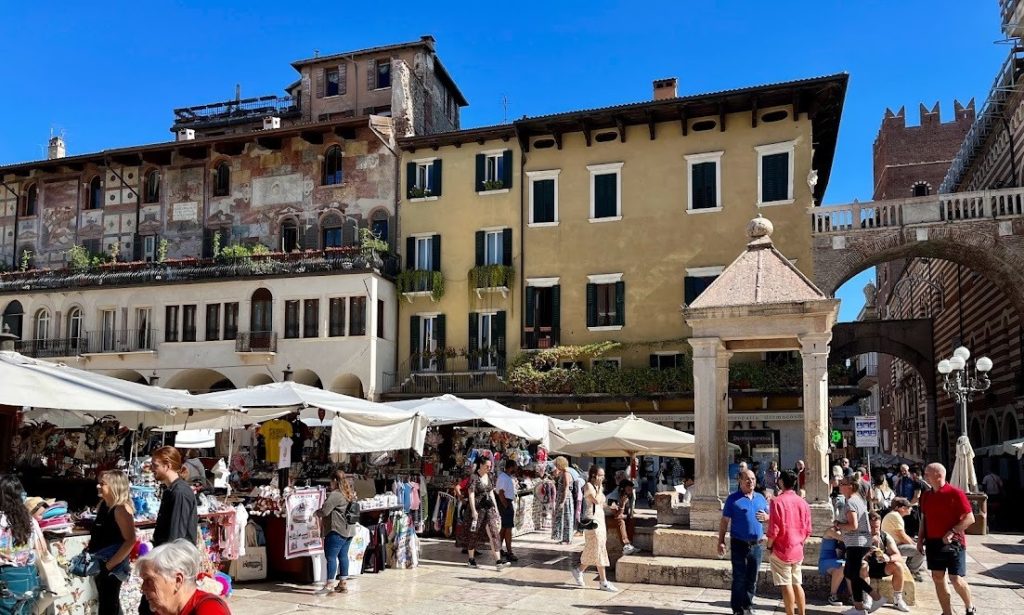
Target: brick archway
x,y
984,246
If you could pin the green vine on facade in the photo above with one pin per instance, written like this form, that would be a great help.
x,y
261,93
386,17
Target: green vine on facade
x,y
26,260
215,247
371,244
491,276
161,251
421,280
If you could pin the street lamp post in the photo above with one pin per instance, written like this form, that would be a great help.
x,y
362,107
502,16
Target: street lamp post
x,y
961,383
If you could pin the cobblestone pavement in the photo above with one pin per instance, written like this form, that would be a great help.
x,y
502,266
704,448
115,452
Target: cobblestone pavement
x,y
540,583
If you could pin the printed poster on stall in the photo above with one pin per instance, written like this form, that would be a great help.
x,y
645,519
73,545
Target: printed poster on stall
x,y
302,526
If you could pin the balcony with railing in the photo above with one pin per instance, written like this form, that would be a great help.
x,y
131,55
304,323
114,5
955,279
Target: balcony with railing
x,y
540,337
235,111
892,214
48,348
256,341
195,269
446,371
120,341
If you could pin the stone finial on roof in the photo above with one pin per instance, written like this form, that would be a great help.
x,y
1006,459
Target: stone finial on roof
x,y
759,231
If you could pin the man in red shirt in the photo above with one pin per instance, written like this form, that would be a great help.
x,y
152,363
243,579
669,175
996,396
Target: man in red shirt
x,y
946,515
789,525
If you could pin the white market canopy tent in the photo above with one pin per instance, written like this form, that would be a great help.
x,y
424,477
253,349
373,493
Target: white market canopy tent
x,y
449,410
559,429
629,436
1010,447
359,425
63,395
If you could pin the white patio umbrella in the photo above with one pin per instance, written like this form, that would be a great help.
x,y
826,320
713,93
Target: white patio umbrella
x,y
963,475
449,409
627,437
49,388
359,425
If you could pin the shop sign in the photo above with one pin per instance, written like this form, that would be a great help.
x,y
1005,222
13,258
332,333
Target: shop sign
x,y
866,431
302,528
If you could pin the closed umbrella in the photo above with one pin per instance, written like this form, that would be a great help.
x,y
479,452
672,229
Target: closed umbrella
x,y
963,475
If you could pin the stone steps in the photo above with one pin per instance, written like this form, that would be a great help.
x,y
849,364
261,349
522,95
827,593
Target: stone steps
x,y
717,574
674,542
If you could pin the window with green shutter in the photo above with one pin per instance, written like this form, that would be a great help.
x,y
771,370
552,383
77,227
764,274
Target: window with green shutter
x,y
543,201
606,304
775,177
693,286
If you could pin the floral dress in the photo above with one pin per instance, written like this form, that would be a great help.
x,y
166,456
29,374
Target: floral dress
x,y
595,551
486,514
564,518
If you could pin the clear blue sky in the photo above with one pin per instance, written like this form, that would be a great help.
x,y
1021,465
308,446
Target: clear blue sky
x,y
108,74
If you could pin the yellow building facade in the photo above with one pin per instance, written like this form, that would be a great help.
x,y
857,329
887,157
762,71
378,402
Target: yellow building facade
x,y
617,216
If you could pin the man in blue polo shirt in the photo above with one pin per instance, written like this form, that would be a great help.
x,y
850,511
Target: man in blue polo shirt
x,y
745,510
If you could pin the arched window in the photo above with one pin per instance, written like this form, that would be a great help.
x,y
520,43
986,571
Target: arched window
x,y
94,197
379,225
76,326
921,189
151,187
331,232
332,166
12,316
41,326
29,200
222,179
261,316
289,236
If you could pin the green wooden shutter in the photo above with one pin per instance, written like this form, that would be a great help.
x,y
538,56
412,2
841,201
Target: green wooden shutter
x,y
481,161
414,341
556,313
690,291
620,303
439,335
704,185
544,200
710,188
481,236
435,178
591,305
530,308
410,252
506,174
498,337
604,195
435,246
775,177
474,339
506,247
410,178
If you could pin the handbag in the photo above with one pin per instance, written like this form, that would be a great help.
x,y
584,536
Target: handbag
x,y
52,577
588,522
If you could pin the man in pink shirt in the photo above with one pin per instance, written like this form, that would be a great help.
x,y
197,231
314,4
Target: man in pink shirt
x,y
789,525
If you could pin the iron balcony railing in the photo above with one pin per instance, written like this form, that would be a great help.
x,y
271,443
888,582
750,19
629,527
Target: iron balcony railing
x,y
256,341
440,372
245,107
192,269
120,340
59,347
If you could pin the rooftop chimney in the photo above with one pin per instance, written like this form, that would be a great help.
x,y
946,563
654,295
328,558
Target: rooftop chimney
x,y
665,88
56,148
186,134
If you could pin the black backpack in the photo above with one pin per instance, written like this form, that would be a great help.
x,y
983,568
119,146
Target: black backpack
x,y
351,513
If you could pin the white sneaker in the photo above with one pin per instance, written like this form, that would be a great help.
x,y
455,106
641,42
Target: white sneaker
x,y
629,550
608,587
901,606
877,604
867,602
577,576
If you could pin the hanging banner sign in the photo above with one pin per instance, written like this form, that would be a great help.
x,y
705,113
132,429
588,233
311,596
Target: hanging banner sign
x,y
866,431
302,526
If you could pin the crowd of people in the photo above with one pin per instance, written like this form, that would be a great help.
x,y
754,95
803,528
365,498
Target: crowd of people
x,y
887,525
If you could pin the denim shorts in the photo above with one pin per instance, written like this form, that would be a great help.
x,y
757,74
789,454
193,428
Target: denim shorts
x,y
951,558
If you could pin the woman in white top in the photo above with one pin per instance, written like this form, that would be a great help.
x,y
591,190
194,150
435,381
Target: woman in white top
x,y
882,494
595,550
856,531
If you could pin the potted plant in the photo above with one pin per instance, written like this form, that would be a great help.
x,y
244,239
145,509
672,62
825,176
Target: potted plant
x,y
493,184
416,192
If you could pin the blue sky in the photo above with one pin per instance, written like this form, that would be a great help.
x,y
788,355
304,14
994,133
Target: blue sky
x,y
108,74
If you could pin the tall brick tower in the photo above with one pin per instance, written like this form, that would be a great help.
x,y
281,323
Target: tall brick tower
x,y
912,161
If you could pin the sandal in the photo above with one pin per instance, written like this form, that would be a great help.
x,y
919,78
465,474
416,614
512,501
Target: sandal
x,y
342,588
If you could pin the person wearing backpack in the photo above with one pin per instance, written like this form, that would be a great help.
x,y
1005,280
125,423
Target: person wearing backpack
x,y
340,515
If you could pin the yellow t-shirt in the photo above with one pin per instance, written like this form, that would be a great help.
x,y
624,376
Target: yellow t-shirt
x,y
893,523
272,432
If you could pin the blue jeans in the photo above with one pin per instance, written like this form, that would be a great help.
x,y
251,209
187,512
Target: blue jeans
x,y
746,560
336,550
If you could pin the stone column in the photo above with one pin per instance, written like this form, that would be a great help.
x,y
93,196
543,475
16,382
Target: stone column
x,y
814,351
710,404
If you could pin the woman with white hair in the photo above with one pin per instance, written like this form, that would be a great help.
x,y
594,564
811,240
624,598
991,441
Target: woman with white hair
x,y
169,581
